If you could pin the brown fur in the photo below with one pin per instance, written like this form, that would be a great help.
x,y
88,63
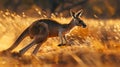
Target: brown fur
x,y
40,30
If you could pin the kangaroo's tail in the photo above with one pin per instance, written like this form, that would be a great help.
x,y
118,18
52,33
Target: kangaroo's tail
x,y
20,38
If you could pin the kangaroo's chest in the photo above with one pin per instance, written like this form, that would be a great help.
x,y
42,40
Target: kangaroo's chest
x,y
54,30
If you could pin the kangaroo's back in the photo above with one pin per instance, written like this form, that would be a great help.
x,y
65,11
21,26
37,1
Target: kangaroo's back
x,y
49,22
53,26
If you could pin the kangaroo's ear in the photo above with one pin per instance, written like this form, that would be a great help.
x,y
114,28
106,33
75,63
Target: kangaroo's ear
x,y
72,14
79,13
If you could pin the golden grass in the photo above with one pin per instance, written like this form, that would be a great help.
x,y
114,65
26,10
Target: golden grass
x,y
98,45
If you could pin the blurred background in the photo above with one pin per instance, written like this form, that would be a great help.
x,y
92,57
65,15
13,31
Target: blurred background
x,y
103,9
97,45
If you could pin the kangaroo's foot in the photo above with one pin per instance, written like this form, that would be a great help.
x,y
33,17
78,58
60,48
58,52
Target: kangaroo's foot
x,y
5,52
16,54
61,44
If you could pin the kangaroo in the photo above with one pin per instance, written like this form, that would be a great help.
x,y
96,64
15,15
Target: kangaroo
x,y
42,29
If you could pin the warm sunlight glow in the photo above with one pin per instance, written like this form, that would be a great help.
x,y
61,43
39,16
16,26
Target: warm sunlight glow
x,y
97,37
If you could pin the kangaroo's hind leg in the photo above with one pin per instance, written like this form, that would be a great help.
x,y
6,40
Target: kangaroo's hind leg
x,y
22,51
39,33
37,41
36,49
40,39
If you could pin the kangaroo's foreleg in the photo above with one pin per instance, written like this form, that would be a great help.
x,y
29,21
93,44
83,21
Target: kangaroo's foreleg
x,y
65,39
62,39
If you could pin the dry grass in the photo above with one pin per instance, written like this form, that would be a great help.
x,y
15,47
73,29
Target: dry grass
x,y
98,45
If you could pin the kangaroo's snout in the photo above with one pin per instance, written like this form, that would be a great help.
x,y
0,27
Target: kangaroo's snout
x,y
84,25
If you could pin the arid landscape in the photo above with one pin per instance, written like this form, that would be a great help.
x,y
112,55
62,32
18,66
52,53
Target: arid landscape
x,y
98,45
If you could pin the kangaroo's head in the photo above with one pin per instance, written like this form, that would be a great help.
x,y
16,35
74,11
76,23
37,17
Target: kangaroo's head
x,y
76,18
